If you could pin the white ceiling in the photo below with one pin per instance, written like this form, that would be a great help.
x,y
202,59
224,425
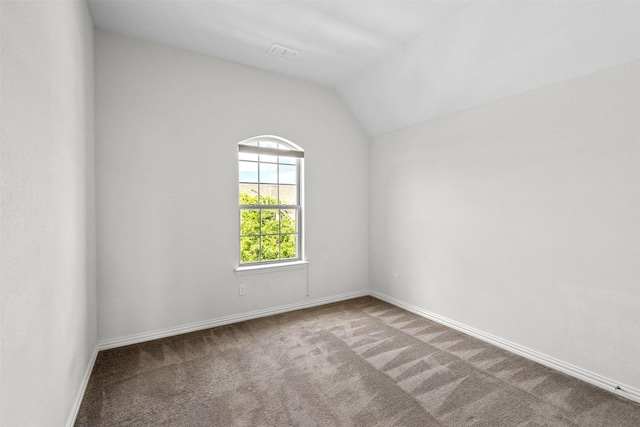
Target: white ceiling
x,y
396,63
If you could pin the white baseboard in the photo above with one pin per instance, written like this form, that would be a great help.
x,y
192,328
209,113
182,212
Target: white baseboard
x,y
148,336
83,387
623,390
574,371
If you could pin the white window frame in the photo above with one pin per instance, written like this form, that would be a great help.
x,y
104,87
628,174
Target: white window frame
x,y
296,152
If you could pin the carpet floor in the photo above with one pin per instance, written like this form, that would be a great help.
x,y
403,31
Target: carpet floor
x,y
361,362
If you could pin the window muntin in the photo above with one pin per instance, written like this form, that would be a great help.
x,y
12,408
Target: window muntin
x,y
269,196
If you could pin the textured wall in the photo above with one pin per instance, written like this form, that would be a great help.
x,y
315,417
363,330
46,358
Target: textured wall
x,y
168,124
520,218
47,246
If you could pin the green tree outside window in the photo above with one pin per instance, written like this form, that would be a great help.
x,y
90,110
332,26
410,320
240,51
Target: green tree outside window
x,y
267,229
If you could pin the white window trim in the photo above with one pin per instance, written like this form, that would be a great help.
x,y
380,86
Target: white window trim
x,y
269,268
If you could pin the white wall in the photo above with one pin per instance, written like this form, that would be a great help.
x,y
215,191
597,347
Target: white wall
x,y
520,218
168,124
47,243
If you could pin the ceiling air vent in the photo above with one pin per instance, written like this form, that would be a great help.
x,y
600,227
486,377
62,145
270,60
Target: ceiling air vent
x,y
282,51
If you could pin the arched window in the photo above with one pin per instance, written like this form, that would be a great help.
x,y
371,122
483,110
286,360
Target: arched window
x,y
270,200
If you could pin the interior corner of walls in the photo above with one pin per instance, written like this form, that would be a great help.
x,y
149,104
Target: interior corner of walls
x,y
73,414
357,119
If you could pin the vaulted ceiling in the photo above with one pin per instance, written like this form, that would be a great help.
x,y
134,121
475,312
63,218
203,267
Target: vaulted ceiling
x,y
396,63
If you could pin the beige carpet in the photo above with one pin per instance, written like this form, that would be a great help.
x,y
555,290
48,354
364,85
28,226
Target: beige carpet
x,y
361,362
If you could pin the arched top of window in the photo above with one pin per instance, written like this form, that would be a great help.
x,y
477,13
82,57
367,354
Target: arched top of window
x,y
270,145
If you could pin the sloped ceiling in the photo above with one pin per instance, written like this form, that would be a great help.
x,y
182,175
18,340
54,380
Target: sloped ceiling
x,y
396,63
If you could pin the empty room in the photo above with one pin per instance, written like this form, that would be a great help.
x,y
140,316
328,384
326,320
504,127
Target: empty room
x,y
319,213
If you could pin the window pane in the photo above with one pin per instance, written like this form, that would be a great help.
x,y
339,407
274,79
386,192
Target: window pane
x,y
288,245
249,221
269,144
268,194
270,249
250,249
288,195
288,221
248,172
248,194
268,158
287,160
268,173
270,221
288,174
248,156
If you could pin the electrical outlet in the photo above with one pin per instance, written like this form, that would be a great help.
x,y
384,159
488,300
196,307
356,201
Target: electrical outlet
x,y
242,290
396,278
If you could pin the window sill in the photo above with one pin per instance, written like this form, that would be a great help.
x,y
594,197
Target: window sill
x,y
259,269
